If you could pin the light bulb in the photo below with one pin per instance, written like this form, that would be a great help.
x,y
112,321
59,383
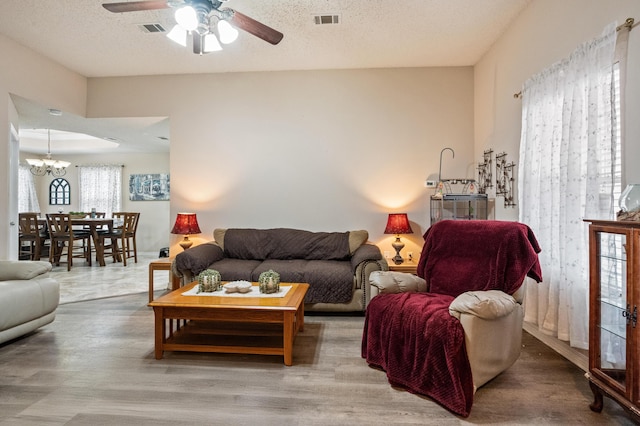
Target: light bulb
x,y
210,43
179,35
187,18
228,34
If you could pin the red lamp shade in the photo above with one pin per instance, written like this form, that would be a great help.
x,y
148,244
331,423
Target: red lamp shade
x,y
186,224
398,223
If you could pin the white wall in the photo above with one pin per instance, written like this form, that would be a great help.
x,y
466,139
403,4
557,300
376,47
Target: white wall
x,y
153,228
32,76
316,150
545,32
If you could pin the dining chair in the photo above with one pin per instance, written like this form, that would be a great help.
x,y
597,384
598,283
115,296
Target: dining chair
x,y
33,234
122,239
132,245
63,237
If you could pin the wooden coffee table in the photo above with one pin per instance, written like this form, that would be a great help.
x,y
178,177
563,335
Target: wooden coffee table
x,y
243,325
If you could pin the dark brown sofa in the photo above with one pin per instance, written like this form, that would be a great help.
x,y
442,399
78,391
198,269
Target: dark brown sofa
x,y
335,264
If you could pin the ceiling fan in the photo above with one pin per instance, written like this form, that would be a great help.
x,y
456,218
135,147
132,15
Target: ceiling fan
x,y
196,17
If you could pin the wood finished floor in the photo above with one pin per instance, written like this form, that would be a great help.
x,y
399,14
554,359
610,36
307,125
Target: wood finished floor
x,y
94,365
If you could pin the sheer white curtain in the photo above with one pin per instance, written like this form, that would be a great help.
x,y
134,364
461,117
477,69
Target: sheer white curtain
x,y
27,196
566,174
100,187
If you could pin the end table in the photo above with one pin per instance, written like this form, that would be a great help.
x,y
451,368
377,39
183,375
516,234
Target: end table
x,y
409,266
162,264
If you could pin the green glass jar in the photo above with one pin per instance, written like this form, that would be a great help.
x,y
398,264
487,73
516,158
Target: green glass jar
x,y
269,282
209,281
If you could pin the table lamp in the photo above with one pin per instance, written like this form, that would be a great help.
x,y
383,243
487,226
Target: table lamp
x,y
186,224
398,223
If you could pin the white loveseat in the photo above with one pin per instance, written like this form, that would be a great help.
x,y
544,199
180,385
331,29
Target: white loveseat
x,y
28,297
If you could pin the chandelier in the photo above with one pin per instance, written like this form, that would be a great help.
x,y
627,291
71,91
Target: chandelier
x,y
47,165
198,19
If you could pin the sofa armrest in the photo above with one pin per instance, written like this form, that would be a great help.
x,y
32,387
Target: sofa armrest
x,y
395,282
23,269
363,253
191,262
488,305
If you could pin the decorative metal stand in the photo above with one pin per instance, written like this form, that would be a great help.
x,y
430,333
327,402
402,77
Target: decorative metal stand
x,y
504,179
485,175
468,186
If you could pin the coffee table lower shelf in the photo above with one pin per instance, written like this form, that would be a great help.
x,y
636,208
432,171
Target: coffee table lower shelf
x,y
222,337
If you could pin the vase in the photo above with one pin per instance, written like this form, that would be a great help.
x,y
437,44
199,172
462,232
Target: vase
x,y
630,198
209,281
269,282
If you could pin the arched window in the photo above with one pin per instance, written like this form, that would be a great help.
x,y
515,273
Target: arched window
x,y
59,192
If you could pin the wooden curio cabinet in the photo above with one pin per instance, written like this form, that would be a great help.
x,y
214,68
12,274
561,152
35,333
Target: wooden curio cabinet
x,y
614,300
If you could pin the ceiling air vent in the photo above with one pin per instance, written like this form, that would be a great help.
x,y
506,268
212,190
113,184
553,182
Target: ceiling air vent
x,y
151,28
326,19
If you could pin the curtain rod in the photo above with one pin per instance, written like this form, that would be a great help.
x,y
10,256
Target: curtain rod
x,y
628,24
98,165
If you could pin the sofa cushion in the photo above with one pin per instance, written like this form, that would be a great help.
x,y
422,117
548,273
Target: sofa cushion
x,y
20,270
235,269
356,239
284,243
218,236
330,281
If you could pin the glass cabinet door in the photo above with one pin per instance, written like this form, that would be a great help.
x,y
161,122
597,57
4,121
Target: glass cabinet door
x,y
615,311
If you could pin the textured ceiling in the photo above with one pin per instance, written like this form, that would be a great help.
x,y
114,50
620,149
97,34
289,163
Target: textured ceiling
x,y
86,38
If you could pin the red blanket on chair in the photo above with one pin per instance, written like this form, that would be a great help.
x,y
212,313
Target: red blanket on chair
x,y
421,347
469,255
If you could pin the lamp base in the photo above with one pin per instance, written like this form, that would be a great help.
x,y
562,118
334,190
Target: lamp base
x,y
186,243
397,245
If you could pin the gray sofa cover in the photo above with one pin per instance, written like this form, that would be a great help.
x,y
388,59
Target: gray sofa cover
x,y
335,264
28,297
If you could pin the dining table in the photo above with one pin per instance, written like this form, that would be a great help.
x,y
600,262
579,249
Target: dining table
x,y
94,225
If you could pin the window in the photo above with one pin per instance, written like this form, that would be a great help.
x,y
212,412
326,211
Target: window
x,y
100,188
27,196
570,157
59,192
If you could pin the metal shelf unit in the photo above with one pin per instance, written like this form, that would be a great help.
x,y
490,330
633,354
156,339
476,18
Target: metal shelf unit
x,y
459,207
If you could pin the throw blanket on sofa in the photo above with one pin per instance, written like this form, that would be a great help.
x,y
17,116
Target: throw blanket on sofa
x,y
420,346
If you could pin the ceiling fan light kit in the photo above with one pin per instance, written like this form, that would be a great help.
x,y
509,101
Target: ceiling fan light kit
x,y
198,18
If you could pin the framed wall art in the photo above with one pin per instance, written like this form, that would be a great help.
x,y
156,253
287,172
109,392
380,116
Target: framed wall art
x,y
149,187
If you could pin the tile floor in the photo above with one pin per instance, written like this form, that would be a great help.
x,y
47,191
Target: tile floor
x,y
85,282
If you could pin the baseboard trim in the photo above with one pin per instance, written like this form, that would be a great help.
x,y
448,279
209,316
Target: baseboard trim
x,y
573,356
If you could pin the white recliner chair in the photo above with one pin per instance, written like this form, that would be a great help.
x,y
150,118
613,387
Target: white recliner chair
x,y
481,313
462,312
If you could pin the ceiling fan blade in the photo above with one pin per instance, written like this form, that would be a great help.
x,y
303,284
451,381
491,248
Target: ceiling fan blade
x,y
135,6
254,27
